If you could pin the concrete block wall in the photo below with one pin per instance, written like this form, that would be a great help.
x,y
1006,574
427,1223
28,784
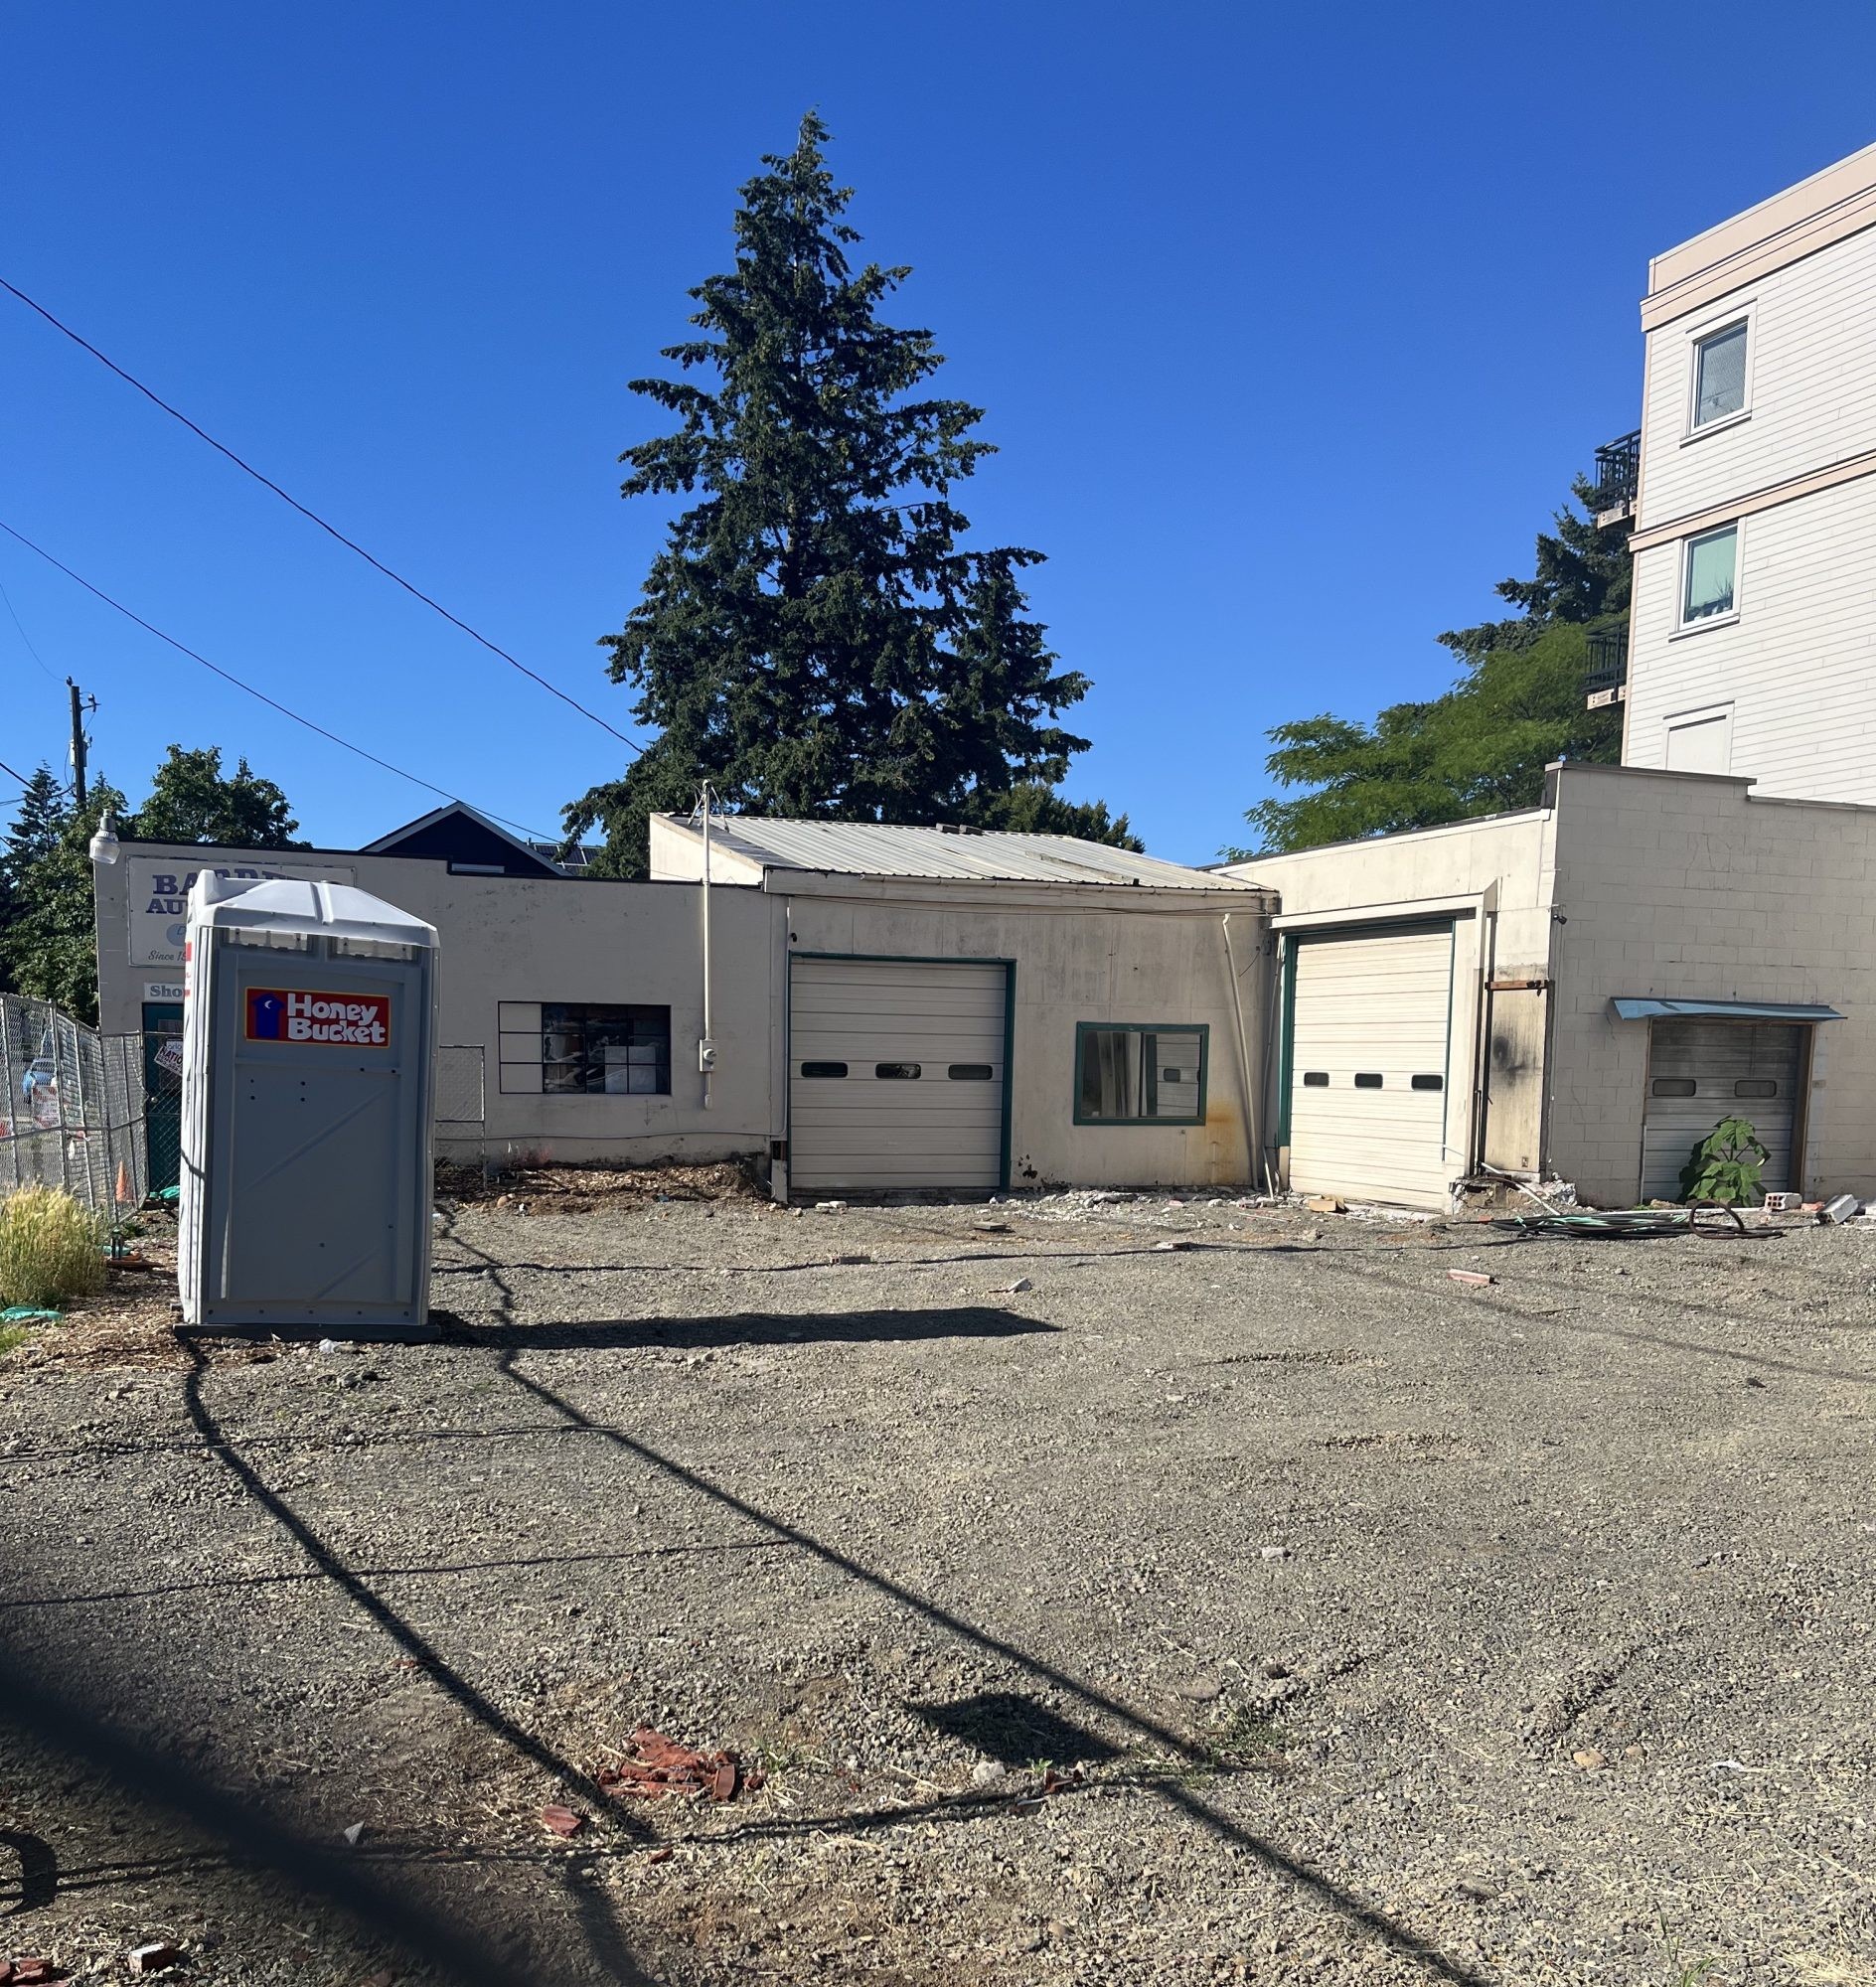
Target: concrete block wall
x,y
1686,886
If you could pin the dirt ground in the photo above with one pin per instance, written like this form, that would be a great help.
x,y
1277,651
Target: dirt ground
x,y
1268,1606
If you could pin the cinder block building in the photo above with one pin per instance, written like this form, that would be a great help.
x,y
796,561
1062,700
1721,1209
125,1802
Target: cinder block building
x,y
1692,935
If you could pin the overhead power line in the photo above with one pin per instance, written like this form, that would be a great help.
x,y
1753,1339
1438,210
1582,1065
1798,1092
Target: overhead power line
x,y
272,703
313,516
24,636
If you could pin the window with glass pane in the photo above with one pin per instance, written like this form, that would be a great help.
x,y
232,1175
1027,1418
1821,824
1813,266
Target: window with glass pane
x,y
1710,571
1719,383
1139,1076
595,1048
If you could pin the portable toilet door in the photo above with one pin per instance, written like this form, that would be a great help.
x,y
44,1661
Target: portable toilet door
x,y
307,1185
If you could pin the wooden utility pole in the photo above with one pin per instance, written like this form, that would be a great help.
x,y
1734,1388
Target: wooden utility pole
x,y
80,705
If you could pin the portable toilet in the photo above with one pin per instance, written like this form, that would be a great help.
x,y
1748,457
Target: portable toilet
x,y
307,1030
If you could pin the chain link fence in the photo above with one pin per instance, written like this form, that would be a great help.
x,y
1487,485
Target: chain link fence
x,y
73,1114
460,1110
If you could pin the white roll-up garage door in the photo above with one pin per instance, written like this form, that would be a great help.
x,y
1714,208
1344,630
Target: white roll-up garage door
x,y
1700,1072
1370,1024
895,1075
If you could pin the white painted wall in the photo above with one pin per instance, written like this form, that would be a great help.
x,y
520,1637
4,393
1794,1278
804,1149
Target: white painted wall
x,y
1495,876
1791,674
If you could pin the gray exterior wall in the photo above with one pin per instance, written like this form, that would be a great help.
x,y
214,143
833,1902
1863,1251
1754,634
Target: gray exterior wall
x,y
1159,955
1085,952
511,938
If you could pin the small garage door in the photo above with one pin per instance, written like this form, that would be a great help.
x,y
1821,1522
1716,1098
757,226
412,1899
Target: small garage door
x,y
895,1075
1703,1071
1367,1068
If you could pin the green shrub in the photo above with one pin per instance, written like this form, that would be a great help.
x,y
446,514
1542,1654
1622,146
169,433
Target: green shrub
x,y
1725,1165
50,1249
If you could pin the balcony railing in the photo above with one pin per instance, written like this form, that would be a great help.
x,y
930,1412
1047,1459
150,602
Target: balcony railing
x,y
1618,469
1607,665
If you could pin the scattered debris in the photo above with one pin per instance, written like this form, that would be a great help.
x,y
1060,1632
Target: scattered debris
x,y
659,1855
31,1972
355,1834
1591,1759
849,1261
562,1821
1273,1552
829,1207
156,1957
1839,1208
1015,1289
992,1227
1778,1201
662,1767
1469,1276
1175,1244
1053,1783
1325,1203
986,1772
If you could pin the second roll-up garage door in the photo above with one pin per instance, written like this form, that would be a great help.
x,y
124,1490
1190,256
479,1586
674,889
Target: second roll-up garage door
x,y
895,1075
1371,1022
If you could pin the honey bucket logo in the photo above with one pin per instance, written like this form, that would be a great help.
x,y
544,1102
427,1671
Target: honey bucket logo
x,y
337,1020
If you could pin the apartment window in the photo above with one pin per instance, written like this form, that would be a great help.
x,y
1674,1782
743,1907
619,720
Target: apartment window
x,y
1140,1074
1719,374
1708,583
586,1048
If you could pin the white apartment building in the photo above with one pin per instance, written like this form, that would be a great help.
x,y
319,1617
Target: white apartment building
x,y
1588,987
1753,631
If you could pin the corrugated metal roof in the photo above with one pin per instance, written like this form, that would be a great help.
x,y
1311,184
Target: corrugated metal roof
x,y
865,849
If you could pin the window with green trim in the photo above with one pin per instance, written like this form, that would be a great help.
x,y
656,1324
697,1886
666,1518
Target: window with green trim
x,y
1129,1073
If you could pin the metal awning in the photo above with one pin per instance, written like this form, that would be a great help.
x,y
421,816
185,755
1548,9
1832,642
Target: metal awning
x,y
1645,1007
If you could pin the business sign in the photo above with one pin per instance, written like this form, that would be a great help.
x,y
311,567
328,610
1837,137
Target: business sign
x,y
158,888
337,1020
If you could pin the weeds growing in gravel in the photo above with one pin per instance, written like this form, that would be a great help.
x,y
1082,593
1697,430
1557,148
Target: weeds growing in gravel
x,y
11,1335
50,1249
1684,1972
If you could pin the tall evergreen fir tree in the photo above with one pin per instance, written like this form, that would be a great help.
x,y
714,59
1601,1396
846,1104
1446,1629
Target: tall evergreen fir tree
x,y
814,638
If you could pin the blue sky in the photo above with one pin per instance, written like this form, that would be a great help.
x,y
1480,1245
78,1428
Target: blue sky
x,y
1291,327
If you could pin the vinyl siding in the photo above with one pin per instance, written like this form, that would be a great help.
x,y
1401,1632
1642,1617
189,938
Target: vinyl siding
x,y
1797,665
1811,386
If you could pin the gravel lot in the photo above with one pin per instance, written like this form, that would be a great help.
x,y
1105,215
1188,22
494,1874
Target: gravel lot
x,y
1362,1625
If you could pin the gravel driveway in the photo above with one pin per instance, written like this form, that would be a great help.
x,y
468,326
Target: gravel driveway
x,y
1268,1608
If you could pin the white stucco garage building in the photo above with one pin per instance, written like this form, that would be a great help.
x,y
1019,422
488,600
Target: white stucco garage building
x,y
890,1009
